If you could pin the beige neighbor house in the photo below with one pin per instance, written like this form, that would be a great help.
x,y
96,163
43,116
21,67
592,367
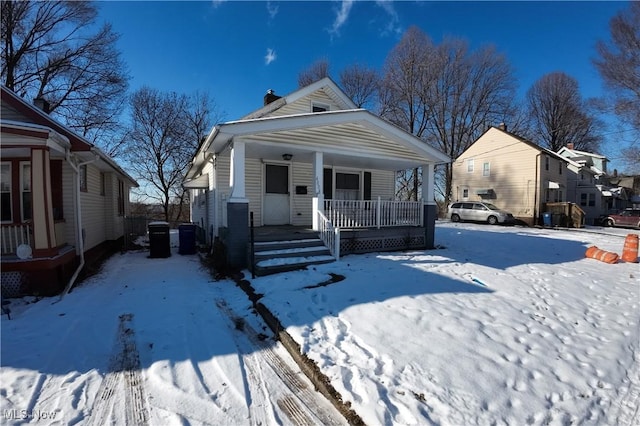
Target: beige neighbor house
x,y
62,200
512,173
311,159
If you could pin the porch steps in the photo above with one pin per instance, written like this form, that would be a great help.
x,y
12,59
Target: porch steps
x,y
272,257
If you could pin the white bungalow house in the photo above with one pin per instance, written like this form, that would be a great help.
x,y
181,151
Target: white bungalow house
x,y
62,200
312,159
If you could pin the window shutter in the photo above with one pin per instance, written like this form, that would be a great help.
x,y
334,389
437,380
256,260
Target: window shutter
x,y
367,186
328,184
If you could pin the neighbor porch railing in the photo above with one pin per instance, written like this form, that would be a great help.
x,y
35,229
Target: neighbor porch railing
x,y
373,213
14,235
329,234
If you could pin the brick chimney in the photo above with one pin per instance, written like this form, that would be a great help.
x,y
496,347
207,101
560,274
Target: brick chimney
x,y
42,104
570,145
502,127
270,97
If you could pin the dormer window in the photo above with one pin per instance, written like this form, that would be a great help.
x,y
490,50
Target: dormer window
x,y
315,107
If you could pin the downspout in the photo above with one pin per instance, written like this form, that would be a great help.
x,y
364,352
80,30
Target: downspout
x,y
535,192
78,206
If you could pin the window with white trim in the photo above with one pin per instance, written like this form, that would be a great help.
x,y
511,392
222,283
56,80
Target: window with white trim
x,y
317,107
486,169
83,178
5,191
25,190
470,165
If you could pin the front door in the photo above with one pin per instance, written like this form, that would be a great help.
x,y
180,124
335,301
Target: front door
x,y
276,195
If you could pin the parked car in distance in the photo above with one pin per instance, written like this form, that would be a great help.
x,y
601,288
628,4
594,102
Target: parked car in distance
x,y
478,212
627,217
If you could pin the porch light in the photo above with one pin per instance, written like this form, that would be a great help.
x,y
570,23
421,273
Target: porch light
x,y
287,157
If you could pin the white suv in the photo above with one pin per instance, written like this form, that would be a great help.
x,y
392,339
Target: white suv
x,y
478,212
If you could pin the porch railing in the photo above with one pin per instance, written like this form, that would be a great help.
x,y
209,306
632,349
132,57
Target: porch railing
x,y
373,213
14,235
329,234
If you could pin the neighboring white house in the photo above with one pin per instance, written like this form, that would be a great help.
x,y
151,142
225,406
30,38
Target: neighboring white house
x,y
312,159
62,198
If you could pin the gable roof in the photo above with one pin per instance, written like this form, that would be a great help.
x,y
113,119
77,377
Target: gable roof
x,y
43,122
326,84
520,139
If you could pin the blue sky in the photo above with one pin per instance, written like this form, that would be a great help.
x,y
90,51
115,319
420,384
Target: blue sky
x,y
237,50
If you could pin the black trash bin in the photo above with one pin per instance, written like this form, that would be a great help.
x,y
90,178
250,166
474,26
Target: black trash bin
x,y
187,236
159,240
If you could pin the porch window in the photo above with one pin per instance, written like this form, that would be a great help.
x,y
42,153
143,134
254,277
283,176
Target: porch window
x,y
5,191
486,169
25,190
83,178
347,186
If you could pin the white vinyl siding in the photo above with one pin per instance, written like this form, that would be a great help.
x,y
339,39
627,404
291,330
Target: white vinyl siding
x,y
305,104
512,170
93,210
382,184
253,188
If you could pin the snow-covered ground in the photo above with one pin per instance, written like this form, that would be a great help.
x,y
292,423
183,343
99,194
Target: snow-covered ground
x,y
503,325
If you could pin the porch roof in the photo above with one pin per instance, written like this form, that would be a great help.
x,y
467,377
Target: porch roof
x,y
347,138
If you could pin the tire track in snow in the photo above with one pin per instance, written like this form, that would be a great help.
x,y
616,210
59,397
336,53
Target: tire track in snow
x,y
124,371
298,402
627,408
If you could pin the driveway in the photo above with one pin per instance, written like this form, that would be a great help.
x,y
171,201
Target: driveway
x,y
150,341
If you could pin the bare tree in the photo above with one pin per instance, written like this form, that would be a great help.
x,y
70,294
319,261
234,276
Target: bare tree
x,y
51,50
361,84
445,95
619,65
166,129
317,71
559,116
408,72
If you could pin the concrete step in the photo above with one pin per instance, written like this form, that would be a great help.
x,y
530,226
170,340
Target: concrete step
x,y
289,244
286,264
272,257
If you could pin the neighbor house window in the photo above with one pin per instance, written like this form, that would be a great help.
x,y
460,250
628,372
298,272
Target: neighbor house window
x,y
56,189
583,199
588,199
103,184
120,198
560,167
25,190
5,191
486,169
470,165
83,178
546,162
465,193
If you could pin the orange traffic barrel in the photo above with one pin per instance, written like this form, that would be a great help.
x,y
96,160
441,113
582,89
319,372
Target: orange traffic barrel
x,y
594,252
630,250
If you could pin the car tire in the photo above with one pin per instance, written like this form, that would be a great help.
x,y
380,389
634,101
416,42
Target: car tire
x,y
610,222
455,218
492,220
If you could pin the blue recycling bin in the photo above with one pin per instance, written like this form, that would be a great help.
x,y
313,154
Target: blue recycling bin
x,y
187,237
546,219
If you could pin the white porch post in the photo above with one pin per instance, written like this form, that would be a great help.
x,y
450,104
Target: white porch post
x,y
236,173
428,181
318,188
429,208
378,211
